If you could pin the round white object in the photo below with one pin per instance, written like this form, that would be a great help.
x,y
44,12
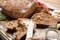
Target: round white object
x,y
52,34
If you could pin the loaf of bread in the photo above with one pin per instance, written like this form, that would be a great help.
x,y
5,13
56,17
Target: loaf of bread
x,y
44,18
20,26
18,8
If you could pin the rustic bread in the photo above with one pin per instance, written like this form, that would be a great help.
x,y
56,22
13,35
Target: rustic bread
x,y
44,18
20,30
41,8
20,26
20,8
20,22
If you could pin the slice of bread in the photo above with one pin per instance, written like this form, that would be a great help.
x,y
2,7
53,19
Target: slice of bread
x,y
19,8
45,19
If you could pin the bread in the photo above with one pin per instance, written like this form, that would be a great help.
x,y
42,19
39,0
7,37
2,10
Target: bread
x,y
41,8
20,26
19,8
23,22
26,22
44,18
12,24
20,30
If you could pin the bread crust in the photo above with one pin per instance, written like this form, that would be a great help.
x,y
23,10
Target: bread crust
x,y
24,9
45,19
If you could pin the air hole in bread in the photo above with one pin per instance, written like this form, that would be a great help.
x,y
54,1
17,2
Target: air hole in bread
x,y
11,31
41,26
58,28
17,9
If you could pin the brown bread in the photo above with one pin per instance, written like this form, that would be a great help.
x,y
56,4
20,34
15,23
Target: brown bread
x,y
20,30
45,19
20,26
20,8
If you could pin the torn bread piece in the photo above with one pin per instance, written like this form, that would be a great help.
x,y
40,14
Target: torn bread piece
x,y
30,24
19,34
18,31
44,18
20,26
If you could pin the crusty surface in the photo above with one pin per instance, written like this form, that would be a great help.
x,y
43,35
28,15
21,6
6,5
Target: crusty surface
x,y
44,18
19,8
20,27
19,34
20,30
12,24
20,22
